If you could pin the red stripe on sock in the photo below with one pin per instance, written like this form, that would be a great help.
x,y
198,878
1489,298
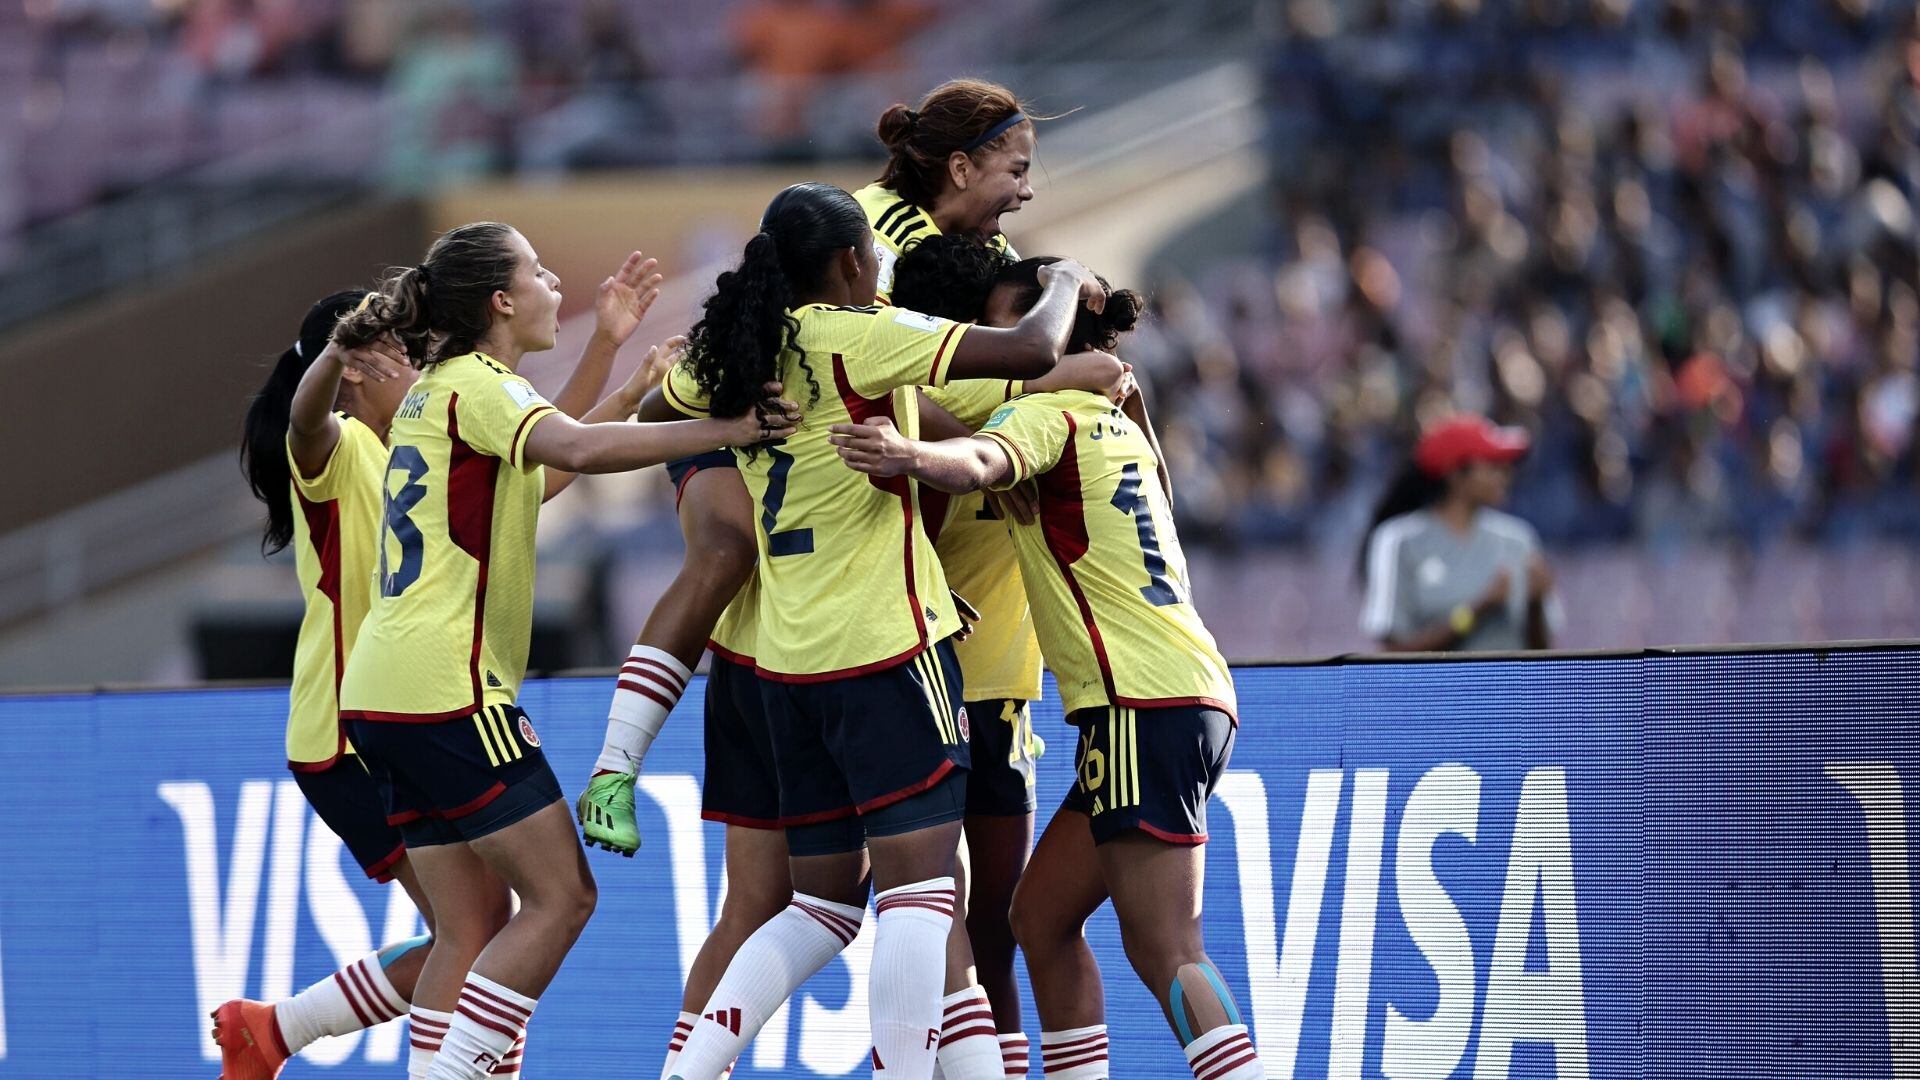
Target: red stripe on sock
x,y
977,1001
626,683
841,927
1214,1053
671,687
383,1009
437,1027
1063,1064
1080,1042
986,1028
524,1012
484,1021
673,676
932,901
353,1000
1246,1056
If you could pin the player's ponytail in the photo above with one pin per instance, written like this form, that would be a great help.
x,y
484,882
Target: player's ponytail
x,y
444,306
960,115
263,440
745,325
1413,489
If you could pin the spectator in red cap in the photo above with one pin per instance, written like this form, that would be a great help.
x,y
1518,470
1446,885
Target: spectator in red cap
x,y
1445,569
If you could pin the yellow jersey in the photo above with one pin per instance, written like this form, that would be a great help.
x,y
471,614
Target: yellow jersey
x,y
452,597
1001,658
897,223
335,524
848,580
1102,564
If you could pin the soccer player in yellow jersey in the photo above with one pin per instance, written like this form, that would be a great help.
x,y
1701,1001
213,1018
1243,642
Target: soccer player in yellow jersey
x,y
956,164
1107,584
859,689
429,691
319,472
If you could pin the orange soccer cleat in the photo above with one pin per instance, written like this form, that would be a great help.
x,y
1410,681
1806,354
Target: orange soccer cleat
x,y
250,1044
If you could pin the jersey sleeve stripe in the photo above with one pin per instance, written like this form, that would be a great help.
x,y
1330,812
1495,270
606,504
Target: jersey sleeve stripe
x,y
526,427
1383,552
906,232
941,362
1022,471
680,403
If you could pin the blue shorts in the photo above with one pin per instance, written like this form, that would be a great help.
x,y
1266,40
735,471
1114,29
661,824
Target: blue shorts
x,y
857,745
454,781
742,787
682,469
1149,769
1001,783
348,799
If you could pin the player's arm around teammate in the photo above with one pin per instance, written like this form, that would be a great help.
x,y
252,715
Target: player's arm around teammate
x,y
856,677
1135,665
431,703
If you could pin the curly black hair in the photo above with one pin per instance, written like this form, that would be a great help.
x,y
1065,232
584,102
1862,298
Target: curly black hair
x,y
952,276
745,325
947,276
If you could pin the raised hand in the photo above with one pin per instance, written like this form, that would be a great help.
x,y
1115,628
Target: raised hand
x,y
1093,295
622,300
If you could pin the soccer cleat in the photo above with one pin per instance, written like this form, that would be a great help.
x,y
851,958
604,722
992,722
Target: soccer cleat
x,y
606,816
250,1044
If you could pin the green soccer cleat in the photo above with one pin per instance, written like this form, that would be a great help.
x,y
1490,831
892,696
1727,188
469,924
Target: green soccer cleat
x,y
606,816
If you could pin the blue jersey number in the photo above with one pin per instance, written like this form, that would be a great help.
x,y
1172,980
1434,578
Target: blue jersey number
x,y
1159,589
793,541
401,527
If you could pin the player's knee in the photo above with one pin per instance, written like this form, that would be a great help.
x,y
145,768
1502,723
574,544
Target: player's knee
x,y
577,902
1159,958
750,904
724,561
1037,926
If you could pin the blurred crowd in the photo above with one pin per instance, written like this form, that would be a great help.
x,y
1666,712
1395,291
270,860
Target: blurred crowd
x,y
1673,238
104,95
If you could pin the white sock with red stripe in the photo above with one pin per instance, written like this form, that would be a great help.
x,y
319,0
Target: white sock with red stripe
x,y
650,684
1015,1053
487,1024
1074,1054
682,1028
770,966
355,997
510,1065
1225,1053
969,1043
426,1029
909,967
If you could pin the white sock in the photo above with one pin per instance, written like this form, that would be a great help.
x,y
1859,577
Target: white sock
x,y
1075,1054
681,1029
1225,1053
487,1024
510,1065
1015,1053
426,1029
909,967
771,964
969,1043
355,997
650,684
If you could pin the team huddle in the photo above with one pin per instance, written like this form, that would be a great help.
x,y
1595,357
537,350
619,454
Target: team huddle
x,y
909,469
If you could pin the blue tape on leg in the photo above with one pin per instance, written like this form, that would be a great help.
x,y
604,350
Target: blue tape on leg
x,y
392,953
1220,988
1177,1005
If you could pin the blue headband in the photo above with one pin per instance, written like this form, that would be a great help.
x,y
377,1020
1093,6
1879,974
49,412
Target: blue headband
x,y
994,132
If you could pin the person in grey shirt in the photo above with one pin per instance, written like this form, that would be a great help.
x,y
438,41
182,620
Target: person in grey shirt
x,y
1444,569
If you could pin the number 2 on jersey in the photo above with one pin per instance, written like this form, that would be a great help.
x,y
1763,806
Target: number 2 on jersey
x,y
1159,590
397,524
793,541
